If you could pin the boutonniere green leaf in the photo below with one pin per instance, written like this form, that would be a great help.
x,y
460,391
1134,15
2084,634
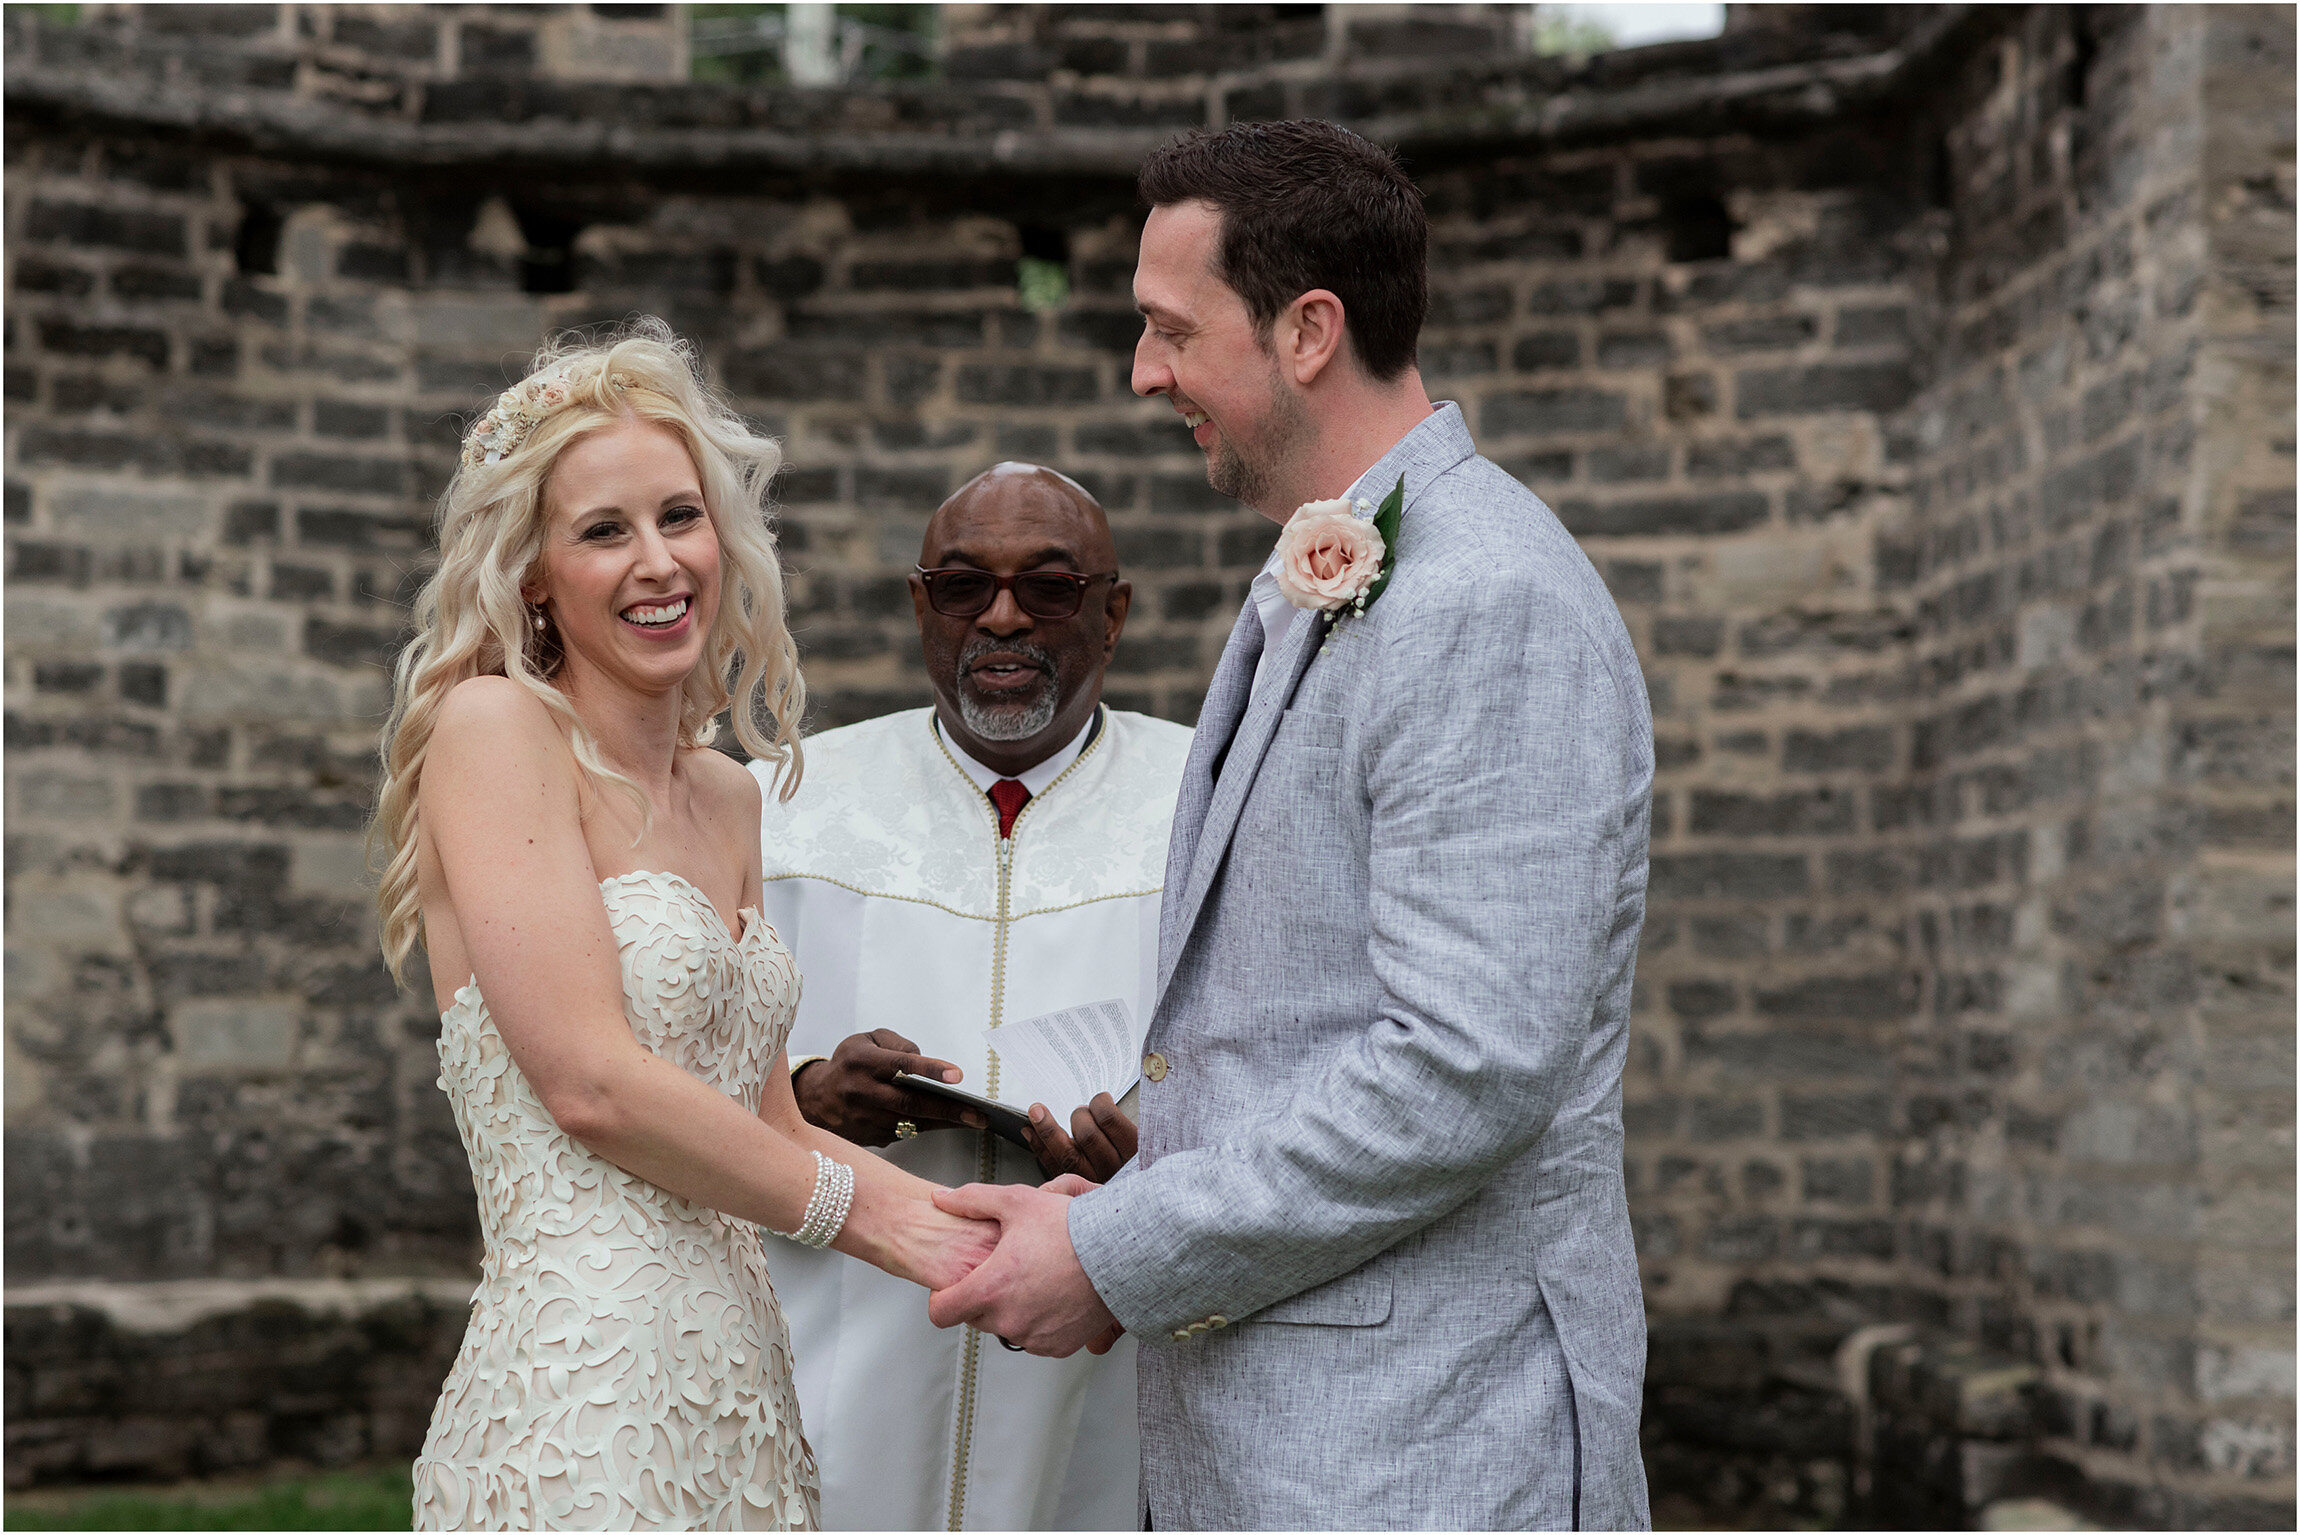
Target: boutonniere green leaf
x,y
1386,519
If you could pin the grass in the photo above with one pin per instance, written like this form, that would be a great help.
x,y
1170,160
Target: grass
x,y
377,1499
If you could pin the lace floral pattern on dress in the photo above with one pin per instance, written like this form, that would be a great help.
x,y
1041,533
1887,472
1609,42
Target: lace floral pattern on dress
x,y
626,1366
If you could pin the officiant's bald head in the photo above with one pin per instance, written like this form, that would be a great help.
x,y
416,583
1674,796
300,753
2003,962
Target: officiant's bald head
x,y
1017,663
1011,492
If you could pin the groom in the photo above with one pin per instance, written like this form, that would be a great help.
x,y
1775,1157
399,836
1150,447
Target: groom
x,y
1375,1242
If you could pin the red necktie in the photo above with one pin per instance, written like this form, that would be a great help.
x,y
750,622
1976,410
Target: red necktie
x,y
1009,795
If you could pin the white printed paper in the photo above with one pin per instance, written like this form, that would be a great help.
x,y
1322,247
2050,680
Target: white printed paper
x,y
1063,1059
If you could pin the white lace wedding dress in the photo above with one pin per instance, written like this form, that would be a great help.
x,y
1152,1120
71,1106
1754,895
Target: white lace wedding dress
x,y
626,1367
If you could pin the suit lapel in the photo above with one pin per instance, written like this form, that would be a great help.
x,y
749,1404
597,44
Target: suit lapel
x,y
1211,837
1218,717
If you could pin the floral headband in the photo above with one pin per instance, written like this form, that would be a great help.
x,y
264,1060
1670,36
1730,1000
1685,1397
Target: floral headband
x,y
518,410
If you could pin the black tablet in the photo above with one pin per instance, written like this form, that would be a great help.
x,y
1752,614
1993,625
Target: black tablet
x,y
1005,1119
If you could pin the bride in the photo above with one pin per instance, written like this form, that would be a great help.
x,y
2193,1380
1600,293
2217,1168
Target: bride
x,y
563,841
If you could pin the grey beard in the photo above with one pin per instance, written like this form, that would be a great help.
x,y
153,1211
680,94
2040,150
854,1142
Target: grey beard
x,y
1009,723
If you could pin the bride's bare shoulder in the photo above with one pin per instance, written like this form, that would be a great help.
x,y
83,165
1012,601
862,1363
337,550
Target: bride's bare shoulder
x,y
495,723
728,784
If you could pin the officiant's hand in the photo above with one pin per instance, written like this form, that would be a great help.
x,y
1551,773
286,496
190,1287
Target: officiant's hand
x,y
853,1094
1101,1140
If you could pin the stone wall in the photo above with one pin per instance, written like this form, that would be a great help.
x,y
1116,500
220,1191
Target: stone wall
x,y
1923,393
1980,955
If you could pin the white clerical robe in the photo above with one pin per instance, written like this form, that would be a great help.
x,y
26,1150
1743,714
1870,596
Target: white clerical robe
x,y
886,876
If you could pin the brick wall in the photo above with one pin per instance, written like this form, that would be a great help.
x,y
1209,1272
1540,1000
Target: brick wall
x,y
1935,442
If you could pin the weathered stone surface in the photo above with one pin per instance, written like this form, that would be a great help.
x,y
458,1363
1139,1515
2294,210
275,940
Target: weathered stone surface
x,y
165,1381
1921,387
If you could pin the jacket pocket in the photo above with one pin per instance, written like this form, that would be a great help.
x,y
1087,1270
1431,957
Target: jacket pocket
x,y
1356,1299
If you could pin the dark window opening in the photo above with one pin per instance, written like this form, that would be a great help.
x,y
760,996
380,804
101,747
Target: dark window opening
x,y
1941,177
256,249
549,263
1699,228
1040,243
2084,46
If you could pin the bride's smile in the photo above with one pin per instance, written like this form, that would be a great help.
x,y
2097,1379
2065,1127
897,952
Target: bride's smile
x,y
630,567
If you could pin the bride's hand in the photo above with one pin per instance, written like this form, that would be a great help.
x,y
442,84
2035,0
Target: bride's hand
x,y
946,1248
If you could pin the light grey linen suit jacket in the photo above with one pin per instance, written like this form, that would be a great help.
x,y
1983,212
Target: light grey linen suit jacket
x,y
1379,1190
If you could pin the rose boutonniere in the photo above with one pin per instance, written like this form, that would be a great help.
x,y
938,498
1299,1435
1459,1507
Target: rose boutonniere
x,y
1334,556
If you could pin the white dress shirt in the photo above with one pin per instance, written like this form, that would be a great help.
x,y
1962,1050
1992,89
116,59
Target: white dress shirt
x,y
1277,615
1034,779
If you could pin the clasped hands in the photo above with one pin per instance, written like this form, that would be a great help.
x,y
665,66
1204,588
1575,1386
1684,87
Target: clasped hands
x,y
1031,1291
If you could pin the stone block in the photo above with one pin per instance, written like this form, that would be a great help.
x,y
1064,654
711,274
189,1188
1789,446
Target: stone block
x,y
342,473
478,324
103,228
1024,385
1725,1120
1740,876
1546,349
1730,458
234,1035
1837,1180
1818,812
1543,411
1834,1116
73,912
50,795
1634,349
1662,516
1822,387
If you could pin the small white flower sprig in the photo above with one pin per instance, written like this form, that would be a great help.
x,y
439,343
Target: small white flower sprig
x,y
1333,556
520,409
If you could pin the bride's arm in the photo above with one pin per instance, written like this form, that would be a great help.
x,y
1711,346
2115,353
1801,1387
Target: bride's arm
x,y
499,804
878,1182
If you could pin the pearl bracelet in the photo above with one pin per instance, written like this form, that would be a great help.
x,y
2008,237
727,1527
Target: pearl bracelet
x,y
827,1206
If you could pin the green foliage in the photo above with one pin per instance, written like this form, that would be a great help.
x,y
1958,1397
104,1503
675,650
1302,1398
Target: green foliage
x,y
1042,285
1554,33
742,44
381,1499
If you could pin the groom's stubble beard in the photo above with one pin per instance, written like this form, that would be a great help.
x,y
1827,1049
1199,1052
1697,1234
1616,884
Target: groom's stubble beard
x,y
1253,476
1012,721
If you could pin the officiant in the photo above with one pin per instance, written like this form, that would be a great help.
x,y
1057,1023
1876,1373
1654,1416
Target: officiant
x,y
940,872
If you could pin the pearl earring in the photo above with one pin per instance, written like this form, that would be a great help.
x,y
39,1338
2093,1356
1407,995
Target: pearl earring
x,y
538,620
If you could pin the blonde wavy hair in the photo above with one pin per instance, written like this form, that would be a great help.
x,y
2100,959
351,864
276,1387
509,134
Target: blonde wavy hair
x,y
471,621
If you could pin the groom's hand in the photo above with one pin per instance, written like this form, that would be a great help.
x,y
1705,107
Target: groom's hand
x,y
1031,1289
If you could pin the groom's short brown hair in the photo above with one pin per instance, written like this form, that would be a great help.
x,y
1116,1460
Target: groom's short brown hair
x,y
1307,204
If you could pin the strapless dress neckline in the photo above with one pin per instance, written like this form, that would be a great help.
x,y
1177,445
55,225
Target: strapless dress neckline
x,y
755,927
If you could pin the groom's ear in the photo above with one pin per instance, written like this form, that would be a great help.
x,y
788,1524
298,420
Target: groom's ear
x,y
1311,335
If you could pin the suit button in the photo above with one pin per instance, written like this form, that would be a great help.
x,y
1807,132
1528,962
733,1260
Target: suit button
x,y
1182,1335
1217,1320
1154,1066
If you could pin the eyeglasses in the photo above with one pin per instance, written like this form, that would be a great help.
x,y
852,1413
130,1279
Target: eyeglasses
x,y
958,592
